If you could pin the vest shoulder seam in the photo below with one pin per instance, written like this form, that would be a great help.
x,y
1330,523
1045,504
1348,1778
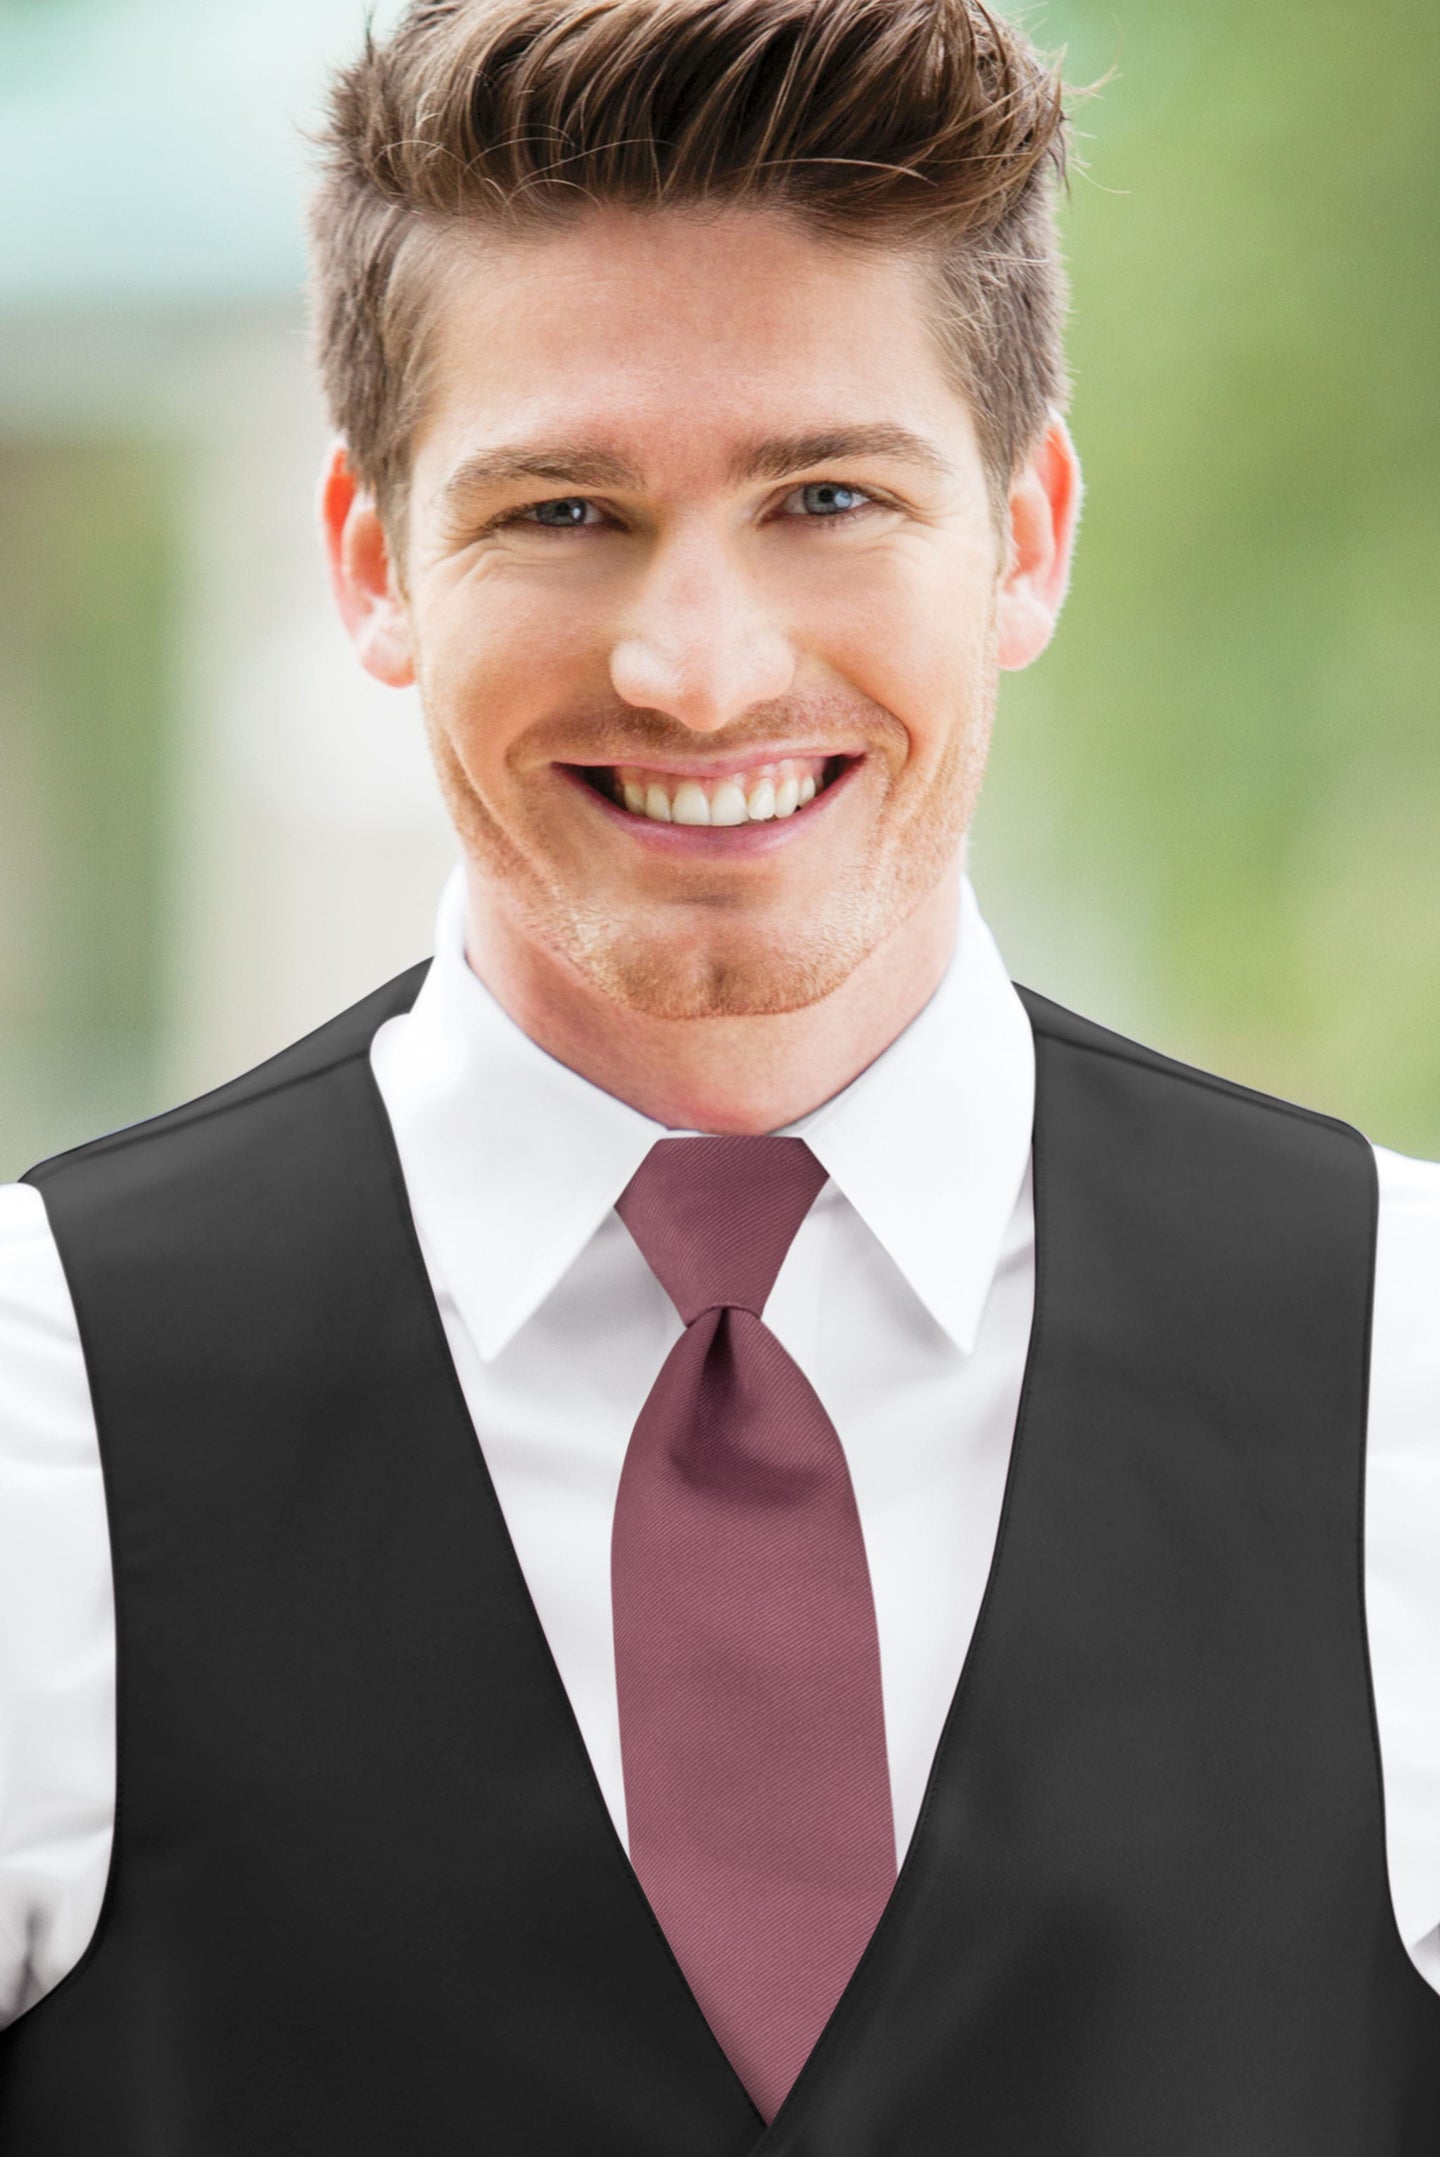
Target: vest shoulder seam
x,y
1118,1049
203,1109
274,1075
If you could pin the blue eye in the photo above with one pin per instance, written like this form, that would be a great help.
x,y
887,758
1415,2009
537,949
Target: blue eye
x,y
565,514
829,498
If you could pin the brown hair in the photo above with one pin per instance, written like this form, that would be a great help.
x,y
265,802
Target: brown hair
x,y
926,124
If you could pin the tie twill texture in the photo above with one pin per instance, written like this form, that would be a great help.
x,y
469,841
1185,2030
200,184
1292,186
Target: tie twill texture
x,y
747,1662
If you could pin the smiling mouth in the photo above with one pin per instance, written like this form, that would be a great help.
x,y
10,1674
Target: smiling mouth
x,y
757,793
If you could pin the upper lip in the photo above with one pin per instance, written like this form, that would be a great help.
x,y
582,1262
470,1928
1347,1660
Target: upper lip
x,y
711,767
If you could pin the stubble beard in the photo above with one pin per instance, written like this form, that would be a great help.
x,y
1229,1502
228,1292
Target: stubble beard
x,y
741,970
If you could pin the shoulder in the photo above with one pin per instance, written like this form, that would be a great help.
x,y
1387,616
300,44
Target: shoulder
x,y
216,1179
340,1040
1410,1193
1054,1025
1407,1279
1402,1534
1223,1144
36,1322
46,1426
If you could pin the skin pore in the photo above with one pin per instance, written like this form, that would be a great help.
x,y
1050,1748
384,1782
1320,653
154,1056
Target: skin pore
x,y
695,506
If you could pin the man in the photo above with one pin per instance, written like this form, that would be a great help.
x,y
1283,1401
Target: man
x,y
727,1535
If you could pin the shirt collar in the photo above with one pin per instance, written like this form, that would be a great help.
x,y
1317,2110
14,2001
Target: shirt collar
x,y
512,1160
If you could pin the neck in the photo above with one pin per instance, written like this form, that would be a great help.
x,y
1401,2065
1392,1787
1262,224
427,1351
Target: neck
x,y
721,1075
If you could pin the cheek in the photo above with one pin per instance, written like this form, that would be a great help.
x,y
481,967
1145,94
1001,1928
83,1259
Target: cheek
x,y
493,660
925,658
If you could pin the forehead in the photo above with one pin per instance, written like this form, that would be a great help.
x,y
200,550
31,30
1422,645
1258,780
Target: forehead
x,y
676,327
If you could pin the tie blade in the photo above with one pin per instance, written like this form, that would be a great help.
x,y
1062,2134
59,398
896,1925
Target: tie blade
x,y
748,1677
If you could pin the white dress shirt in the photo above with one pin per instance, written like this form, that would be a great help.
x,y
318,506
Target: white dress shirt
x,y
906,1298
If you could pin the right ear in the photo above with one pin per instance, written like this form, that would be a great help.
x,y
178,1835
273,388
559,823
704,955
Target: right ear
x,y
362,575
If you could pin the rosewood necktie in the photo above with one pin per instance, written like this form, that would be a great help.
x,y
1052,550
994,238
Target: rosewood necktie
x,y
752,1731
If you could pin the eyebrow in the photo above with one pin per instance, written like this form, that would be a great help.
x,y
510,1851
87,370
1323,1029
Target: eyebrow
x,y
786,453
558,461
578,465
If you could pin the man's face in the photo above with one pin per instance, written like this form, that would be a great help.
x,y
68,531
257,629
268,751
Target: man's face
x,y
700,591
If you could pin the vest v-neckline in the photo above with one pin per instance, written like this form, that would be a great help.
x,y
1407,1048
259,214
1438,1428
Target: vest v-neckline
x,y
868,1975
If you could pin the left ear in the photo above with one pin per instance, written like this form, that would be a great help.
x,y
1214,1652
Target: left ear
x,y
1044,511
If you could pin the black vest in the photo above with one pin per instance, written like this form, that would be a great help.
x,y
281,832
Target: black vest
x,y
366,1899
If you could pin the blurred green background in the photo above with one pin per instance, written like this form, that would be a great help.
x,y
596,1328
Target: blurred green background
x,y
1211,818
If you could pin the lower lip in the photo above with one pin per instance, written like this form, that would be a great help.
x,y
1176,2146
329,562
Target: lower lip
x,y
711,841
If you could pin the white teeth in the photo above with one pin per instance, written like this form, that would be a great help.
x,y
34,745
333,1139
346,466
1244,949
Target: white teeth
x,y
776,790
728,805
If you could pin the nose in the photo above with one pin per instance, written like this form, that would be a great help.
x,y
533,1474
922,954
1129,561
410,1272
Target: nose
x,y
699,642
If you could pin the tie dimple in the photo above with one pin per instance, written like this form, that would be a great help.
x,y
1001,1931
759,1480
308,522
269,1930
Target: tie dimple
x,y
747,1662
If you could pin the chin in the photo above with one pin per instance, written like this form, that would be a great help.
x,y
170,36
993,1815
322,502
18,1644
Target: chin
x,y
758,975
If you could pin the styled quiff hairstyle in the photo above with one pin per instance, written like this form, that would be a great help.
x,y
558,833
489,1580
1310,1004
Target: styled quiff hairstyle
x,y
926,125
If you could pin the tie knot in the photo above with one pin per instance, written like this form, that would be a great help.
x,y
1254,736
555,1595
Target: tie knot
x,y
714,1217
